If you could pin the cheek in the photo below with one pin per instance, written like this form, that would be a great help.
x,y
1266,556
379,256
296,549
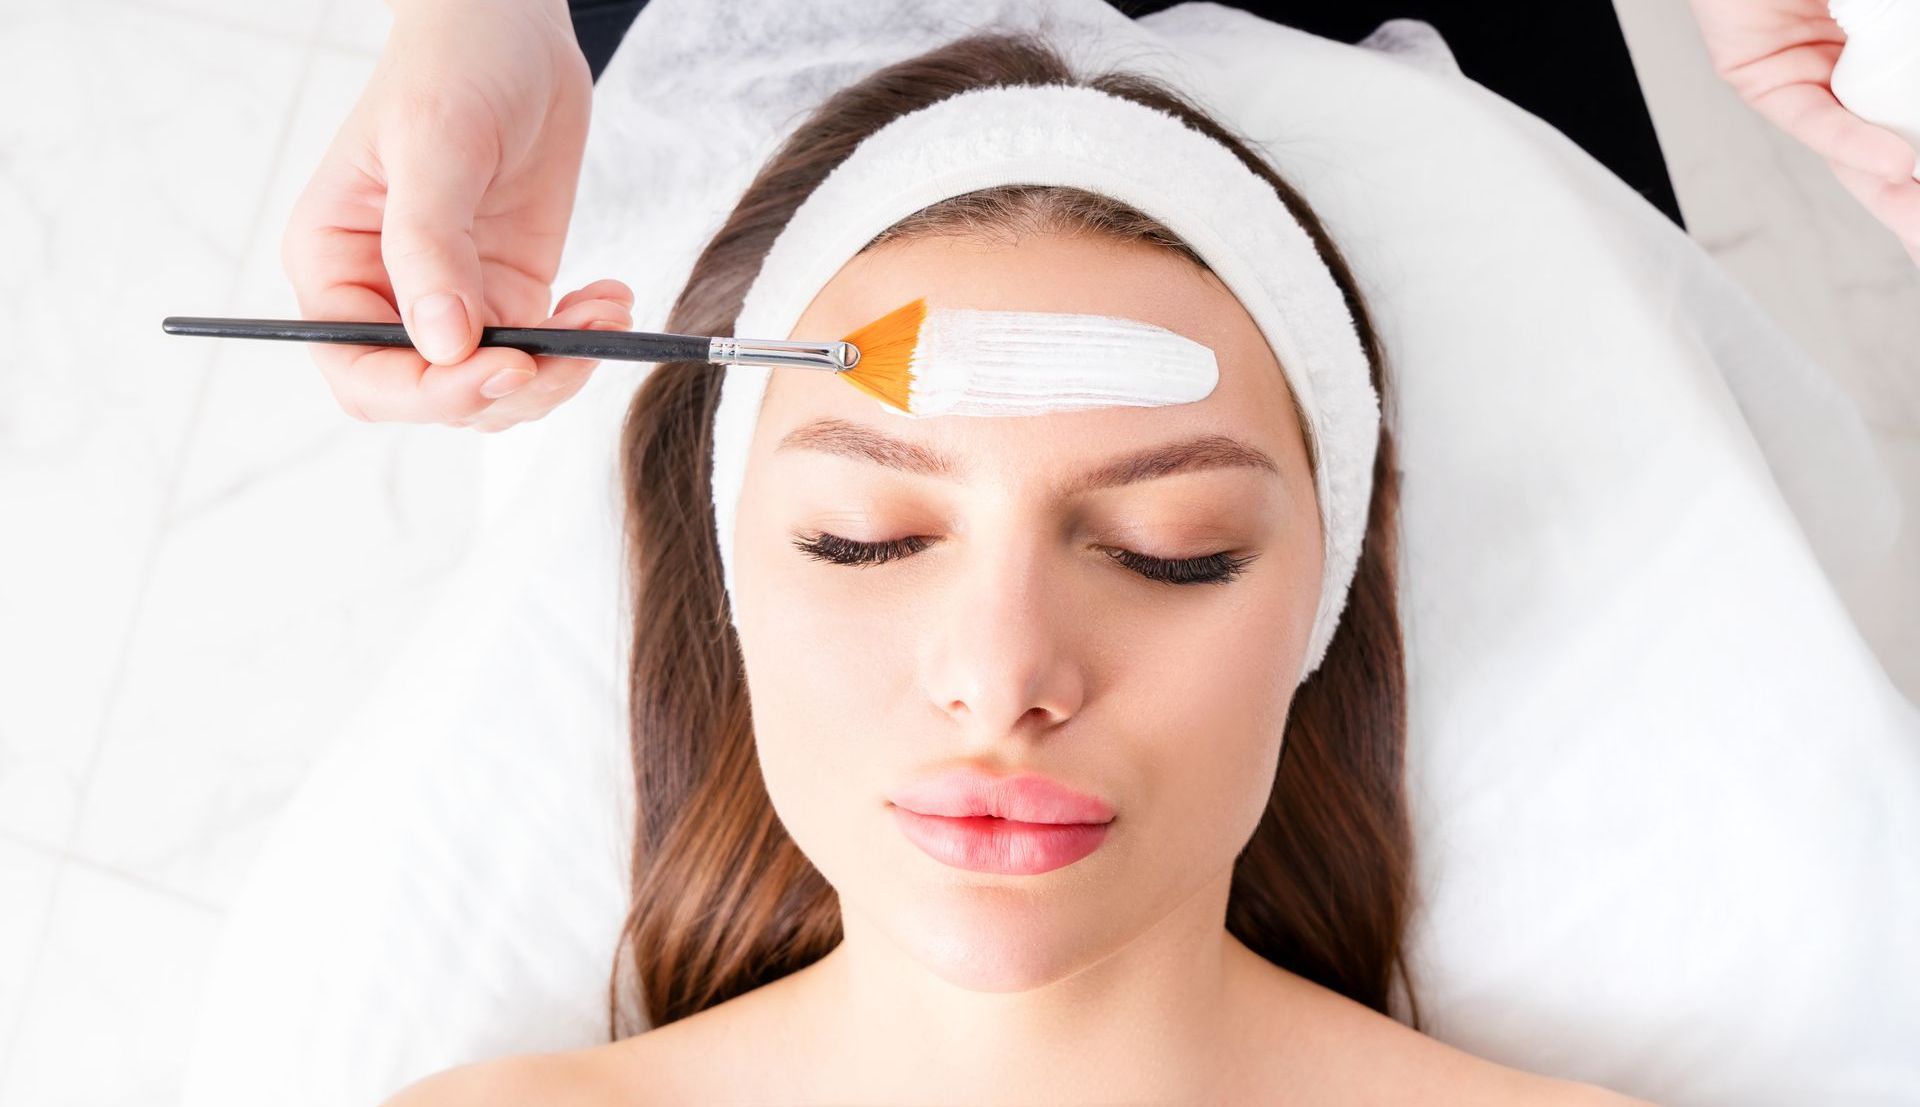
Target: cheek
x,y
816,639
821,670
1206,708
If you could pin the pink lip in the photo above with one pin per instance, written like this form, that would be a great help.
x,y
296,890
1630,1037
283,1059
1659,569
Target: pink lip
x,y
1020,825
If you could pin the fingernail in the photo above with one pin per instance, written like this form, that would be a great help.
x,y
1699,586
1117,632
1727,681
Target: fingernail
x,y
504,382
439,326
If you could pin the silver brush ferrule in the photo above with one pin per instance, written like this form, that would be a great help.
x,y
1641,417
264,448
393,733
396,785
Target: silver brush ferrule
x,y
835,357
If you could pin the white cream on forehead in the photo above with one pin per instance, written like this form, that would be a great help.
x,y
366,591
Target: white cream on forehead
x,y
970,362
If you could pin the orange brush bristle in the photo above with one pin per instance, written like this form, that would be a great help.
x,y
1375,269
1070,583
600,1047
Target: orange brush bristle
x,y
886,354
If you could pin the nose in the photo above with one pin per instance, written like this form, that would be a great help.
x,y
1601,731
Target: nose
x,y
1000,658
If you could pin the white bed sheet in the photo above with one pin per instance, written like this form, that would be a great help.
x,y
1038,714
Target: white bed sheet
x,y
1666,800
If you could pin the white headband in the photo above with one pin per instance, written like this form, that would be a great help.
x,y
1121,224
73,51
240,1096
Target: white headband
x,y
1141,156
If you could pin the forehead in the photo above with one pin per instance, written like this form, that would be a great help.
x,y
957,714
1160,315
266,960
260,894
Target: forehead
x,y
1053,273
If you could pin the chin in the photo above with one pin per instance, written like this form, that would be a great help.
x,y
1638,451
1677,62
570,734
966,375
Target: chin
x,y
988,938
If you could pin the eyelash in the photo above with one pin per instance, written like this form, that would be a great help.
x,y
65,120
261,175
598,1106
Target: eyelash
x,y
1216,568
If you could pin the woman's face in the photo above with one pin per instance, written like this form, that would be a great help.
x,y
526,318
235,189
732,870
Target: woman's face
x,y
1007,634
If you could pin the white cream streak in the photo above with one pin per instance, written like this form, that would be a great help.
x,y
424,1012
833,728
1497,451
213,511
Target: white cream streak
x,y
970,362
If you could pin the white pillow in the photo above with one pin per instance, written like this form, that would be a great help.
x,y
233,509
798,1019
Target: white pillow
x,y
1666,801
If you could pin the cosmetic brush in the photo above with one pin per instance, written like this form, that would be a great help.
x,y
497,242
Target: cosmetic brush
x,y
876,359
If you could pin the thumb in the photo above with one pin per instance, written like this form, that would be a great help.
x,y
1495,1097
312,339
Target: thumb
x,y
436,176
1811,113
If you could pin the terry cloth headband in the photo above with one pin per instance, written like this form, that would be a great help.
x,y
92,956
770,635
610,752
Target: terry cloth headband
x,y
1092,140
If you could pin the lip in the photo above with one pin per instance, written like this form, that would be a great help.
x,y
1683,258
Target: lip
x,y
1019,825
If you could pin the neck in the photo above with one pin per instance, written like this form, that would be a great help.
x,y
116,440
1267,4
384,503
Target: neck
x,y
1155,1020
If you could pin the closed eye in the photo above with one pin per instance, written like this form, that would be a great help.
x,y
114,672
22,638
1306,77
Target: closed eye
x,y
1218,568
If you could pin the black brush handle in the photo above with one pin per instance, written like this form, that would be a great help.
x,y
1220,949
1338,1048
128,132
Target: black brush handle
x,y
558,341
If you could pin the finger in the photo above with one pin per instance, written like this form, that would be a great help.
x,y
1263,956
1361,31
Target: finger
x,y
439,158
1895,205
331,245
1808,111
381,384
607,289
557,379
555,374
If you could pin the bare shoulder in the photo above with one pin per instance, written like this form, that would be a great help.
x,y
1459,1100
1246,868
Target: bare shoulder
x,y
1519,1087
691,1060
1459,1077
695,1059
1381,1060
717,1055
569,1078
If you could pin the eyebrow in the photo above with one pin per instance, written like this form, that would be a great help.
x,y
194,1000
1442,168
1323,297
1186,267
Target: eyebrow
x,y
1207,451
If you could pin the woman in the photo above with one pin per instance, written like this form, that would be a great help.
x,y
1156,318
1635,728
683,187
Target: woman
x,y
1232,931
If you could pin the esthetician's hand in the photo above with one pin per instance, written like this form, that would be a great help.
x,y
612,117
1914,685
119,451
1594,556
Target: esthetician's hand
x,y
1779,56
443,202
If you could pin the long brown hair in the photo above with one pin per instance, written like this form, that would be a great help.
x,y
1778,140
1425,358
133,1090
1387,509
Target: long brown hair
x,y
723,901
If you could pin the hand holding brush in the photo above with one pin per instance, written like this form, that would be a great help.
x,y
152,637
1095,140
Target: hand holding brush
x,y
875,358
490,388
